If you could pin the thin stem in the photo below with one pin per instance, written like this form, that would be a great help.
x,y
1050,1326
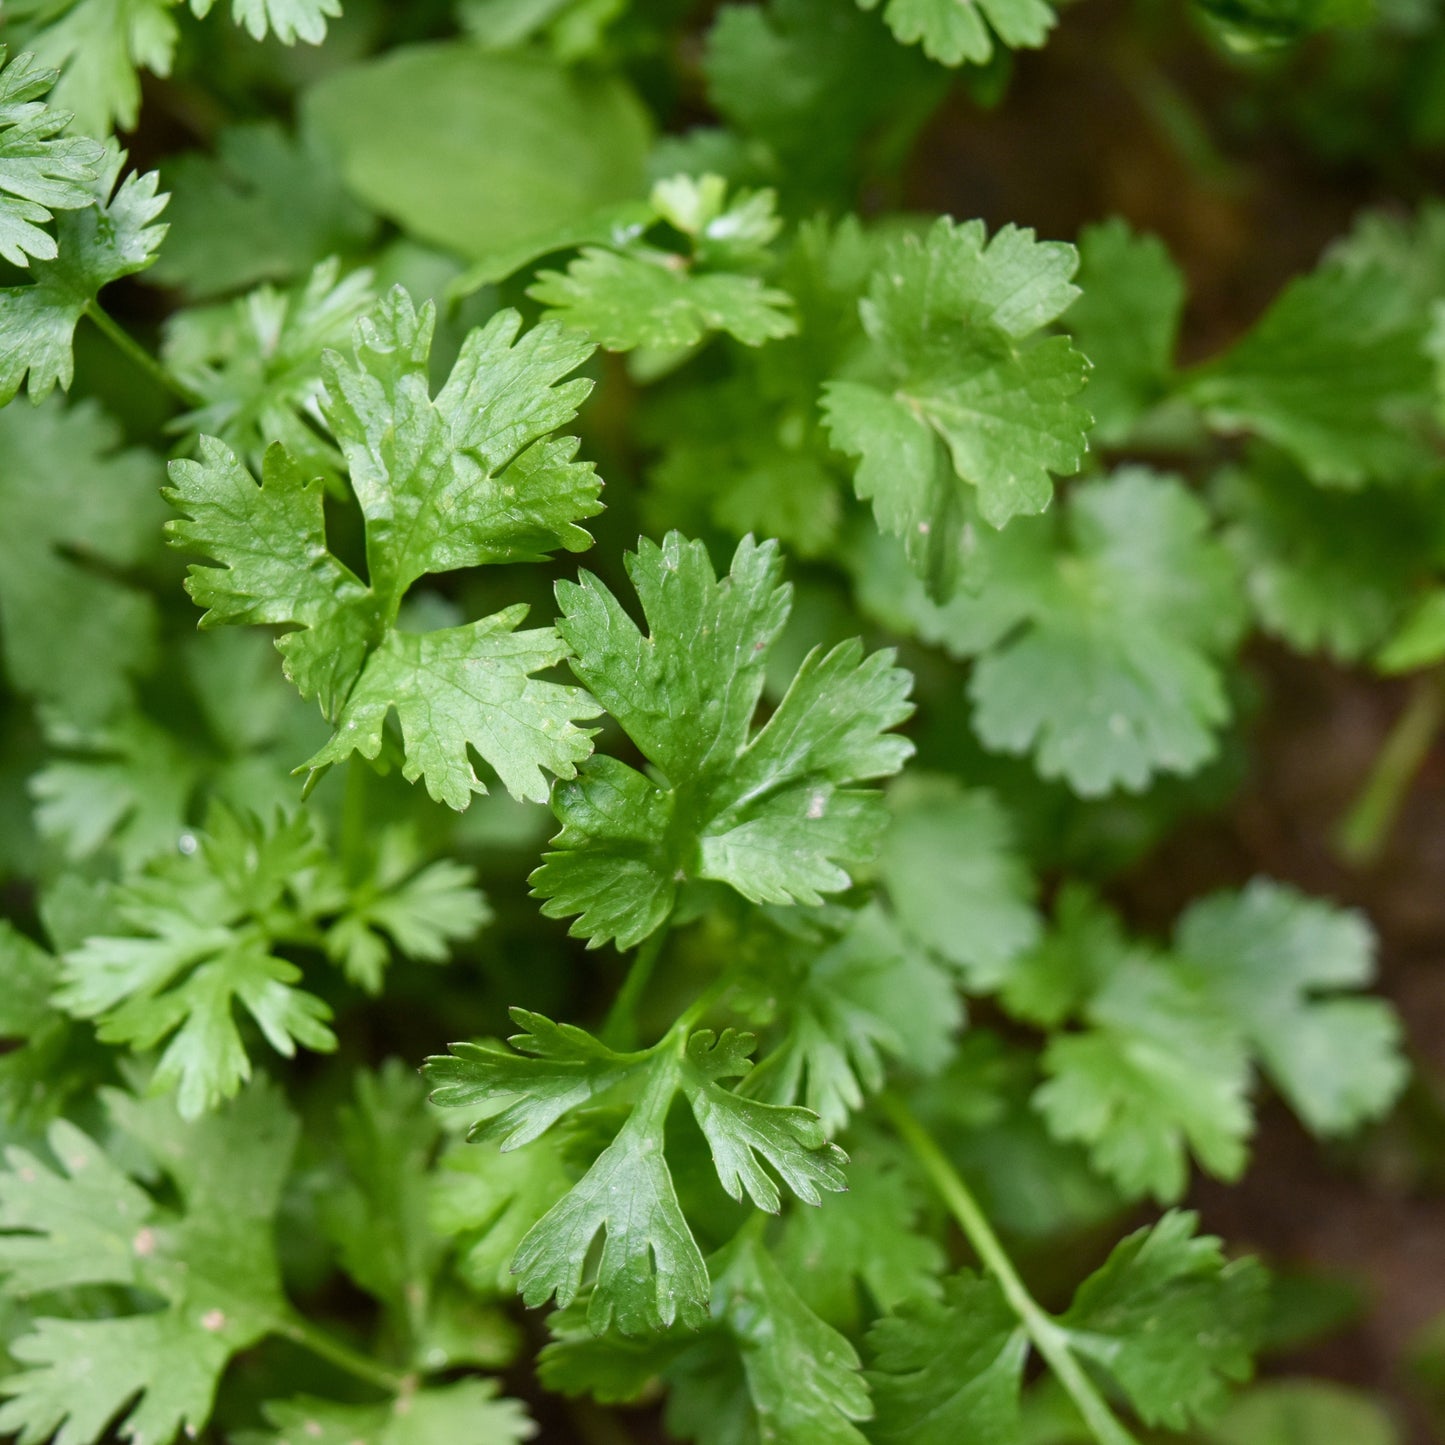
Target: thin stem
x,y
124,341
1365,829
619,1030
361,1367
1049,1338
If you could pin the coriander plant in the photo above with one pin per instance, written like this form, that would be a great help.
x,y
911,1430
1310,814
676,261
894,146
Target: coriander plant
x,y
885,1039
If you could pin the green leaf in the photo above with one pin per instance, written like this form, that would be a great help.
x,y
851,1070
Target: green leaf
x,y
99,46
114,236
773,813
1335,373
949,863
1126,321
1170,1321
80,513
487,1199
41,170
201,930
974,397
1326,571
288,20
772,1371
954,31
467,687
821,88
637,295
377,1215
404,128
419,911
470,477
1285,1412
650,1271
1082,949
1283,966
467,1413
627,301
1420,640
37,1074
948,1371
1098,633
869,1239
744,1134
858,996
266,206
212,1265
254,365
1158,1072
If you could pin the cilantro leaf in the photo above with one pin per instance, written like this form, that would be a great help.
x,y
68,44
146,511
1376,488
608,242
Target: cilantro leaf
x,y
202,930
765,1367
856,996
1165,1317
773,813
467,478
650,1271
486,1198
1420,639
213,1265
816,85
1098,635
376,1215
1326,570
80,513
948,1371
626,301
254,365
41,170
1170,1320
952,874
954,31
99,46
460,688
968,394
115,236
265,206
635,294
288,20
40,1069
802,1377
124,785
1281,965
1335,373
419,910
1126,321
467,1413
868,1239
1157,1072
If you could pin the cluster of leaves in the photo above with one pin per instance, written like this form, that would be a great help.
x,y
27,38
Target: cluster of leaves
x,y
733,1185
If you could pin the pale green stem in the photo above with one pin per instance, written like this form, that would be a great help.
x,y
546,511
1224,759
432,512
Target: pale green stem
x,y
1047,1335
619,1030
1365,829
124,341
361,1367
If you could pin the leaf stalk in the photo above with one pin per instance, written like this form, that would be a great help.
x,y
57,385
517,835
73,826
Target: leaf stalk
x,y
125,342
1048,1336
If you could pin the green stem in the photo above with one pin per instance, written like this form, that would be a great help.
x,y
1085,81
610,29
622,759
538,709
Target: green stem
x,y
1048,1336
1365,829
619,1029
361,1367
124,341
